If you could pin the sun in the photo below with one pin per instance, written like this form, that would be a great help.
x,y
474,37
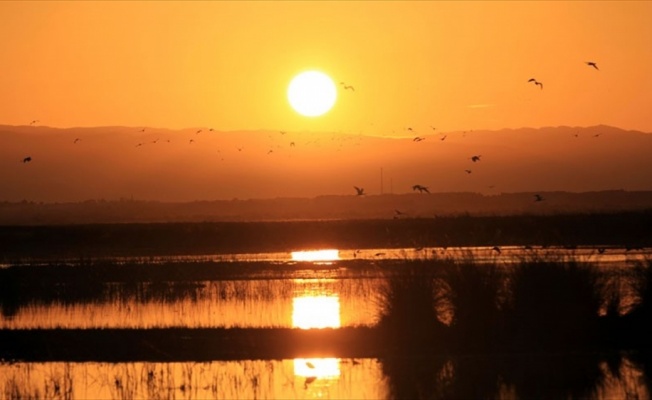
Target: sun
x,y
312,93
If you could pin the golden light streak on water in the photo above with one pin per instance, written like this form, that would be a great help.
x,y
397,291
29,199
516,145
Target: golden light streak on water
x,y
321,368
309,312
316,255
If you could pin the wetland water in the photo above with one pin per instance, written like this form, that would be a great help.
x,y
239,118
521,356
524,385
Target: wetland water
x,y
271,290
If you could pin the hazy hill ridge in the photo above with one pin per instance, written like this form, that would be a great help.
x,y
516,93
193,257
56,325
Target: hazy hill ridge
x,y
388,206
112,163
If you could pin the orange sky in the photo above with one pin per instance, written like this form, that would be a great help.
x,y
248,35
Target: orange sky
x,y
452,65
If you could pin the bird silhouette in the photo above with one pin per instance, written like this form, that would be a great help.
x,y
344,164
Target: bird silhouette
x,y
76,140
476,158
310,365
27,159
191,141
398,213
418,139
443,138
198,132
592,64
420,188
347,87
536,82
308,381
33,122
496,249
468,171
359,190
538,197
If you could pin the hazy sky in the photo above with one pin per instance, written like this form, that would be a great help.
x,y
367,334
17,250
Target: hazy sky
x,y
226,65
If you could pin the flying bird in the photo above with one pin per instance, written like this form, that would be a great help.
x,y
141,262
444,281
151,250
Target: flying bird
x,y
536,82
191,141
33,122
347,87
420,188
398,213
443,138
76,140
468,171
592,64
308,381
418,139
27,159
537,197
496,249
310,365
476,158
359,190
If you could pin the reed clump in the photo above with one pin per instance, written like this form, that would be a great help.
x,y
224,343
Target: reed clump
x,y
553,304
408,301
533,305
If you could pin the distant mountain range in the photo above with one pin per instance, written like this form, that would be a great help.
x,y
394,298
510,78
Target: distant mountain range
x,y
113,163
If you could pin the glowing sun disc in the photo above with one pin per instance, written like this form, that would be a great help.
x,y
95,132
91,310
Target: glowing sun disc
x,y
312,93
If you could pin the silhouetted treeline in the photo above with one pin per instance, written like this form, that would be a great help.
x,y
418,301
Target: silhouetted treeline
x,y
625,229
323,207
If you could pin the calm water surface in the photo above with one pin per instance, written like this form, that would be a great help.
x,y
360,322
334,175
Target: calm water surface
x,y
304,300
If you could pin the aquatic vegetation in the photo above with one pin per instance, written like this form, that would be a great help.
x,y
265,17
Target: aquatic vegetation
x,y
408,301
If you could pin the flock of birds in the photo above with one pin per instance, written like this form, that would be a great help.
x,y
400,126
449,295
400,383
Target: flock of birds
x,y
359,191
475,158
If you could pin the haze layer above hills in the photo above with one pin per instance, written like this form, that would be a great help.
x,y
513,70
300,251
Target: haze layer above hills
x,y
111,163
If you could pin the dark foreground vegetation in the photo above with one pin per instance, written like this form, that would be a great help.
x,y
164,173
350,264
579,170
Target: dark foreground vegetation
x,y
626,229
536,305
442,306
545,329
448,329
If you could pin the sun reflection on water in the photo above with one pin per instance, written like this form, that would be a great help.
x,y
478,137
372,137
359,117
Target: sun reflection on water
x,y
309,312
316,255
321,368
